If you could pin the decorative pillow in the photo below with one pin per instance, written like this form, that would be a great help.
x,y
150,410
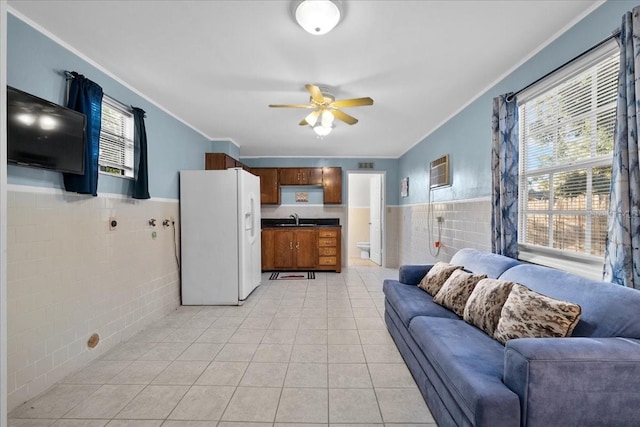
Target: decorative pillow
x,y
436,276
455,292
528,314
485,304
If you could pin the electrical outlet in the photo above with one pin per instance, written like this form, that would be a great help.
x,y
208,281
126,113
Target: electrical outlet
x,y
440,219
113,223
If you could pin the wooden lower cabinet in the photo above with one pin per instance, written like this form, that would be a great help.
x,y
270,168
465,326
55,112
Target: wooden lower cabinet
x,y
288,249
329,245
313,248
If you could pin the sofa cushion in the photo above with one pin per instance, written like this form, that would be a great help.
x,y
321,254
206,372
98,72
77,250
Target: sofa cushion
x,y
436,276
608,310
478,262
485,304
456,290
469,364
528,314
410,301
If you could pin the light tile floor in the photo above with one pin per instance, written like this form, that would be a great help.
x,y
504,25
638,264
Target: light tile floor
x,y
297,353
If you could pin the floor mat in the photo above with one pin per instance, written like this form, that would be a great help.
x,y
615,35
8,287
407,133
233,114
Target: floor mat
x,y
278,275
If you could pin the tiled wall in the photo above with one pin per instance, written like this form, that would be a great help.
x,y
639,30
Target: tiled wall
x,y
358,230
70,276
392,236
467,224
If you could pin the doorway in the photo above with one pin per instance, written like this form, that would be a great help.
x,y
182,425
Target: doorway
x,y
365,218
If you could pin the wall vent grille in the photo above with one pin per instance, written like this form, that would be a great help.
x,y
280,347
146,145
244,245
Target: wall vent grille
x,y
366,165
439,172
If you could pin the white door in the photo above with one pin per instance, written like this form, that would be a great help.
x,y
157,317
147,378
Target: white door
x,y
375,219
249,232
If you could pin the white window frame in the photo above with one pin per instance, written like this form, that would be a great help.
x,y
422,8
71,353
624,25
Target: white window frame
x,y
582,264
124,168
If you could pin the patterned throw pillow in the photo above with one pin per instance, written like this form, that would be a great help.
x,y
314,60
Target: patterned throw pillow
x,y
485,304
456,290
436,276
528,314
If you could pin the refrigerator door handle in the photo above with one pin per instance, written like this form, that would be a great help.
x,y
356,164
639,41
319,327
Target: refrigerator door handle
x,y
250,218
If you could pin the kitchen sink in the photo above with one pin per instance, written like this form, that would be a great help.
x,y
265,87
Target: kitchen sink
x,y
294,225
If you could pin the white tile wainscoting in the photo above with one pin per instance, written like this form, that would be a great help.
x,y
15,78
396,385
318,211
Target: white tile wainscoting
x,y
467,224
69,276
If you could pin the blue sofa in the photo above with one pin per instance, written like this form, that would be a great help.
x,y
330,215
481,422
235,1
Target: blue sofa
x,y
469,379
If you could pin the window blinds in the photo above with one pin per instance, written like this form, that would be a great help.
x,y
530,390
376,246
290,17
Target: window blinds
x,y
566,143
116,138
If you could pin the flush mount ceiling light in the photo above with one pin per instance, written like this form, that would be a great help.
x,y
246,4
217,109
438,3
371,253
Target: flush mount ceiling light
x,y
317,17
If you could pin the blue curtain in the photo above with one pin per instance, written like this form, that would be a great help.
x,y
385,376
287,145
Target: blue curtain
x,y
622,253
85,96
141,185
504,176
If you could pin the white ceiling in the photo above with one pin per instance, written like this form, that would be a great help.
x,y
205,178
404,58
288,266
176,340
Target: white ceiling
x,y
216,65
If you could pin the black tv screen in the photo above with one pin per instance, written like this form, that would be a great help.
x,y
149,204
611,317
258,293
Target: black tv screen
x,y
44,135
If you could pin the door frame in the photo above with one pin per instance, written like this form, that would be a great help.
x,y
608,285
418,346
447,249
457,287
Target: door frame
x,y
383,209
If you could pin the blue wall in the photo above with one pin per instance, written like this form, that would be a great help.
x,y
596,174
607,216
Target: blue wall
x,y
467,136
35,63
390,166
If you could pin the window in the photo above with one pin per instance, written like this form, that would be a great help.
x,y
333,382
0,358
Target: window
x,y
116,139
566,144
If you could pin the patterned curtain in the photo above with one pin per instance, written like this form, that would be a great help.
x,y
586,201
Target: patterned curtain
x,y
622,253
504,176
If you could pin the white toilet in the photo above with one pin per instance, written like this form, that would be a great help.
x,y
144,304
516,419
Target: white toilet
x,y
364,249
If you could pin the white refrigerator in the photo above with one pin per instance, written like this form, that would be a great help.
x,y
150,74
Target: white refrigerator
x,y
220,236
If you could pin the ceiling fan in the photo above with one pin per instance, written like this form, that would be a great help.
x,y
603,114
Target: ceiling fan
x,y
326,108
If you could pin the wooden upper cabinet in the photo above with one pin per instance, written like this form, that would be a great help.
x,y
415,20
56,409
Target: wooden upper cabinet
x,y
289,176
332,185
269,186
313,176
221,161
300,176
218,161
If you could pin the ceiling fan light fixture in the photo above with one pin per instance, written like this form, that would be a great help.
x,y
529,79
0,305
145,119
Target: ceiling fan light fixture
x,y
317,17
312,118
327,118
321,130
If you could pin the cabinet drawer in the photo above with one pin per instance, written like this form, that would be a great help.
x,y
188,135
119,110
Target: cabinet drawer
x,y
328,233
327,241
327,260
327,251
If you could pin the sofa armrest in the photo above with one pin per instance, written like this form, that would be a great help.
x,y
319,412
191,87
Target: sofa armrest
x,y
575,381
412,274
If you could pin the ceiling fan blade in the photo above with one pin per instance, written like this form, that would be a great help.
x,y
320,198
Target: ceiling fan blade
x,y
316,93
291,106
303,122
350,120
355,102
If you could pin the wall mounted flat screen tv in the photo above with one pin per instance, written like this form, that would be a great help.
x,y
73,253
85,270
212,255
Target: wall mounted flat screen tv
x,y
42,134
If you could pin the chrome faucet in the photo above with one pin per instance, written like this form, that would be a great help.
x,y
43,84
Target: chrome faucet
x,y
296,217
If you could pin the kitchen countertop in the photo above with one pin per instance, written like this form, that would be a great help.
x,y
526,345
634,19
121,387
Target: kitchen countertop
x,y
303,222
